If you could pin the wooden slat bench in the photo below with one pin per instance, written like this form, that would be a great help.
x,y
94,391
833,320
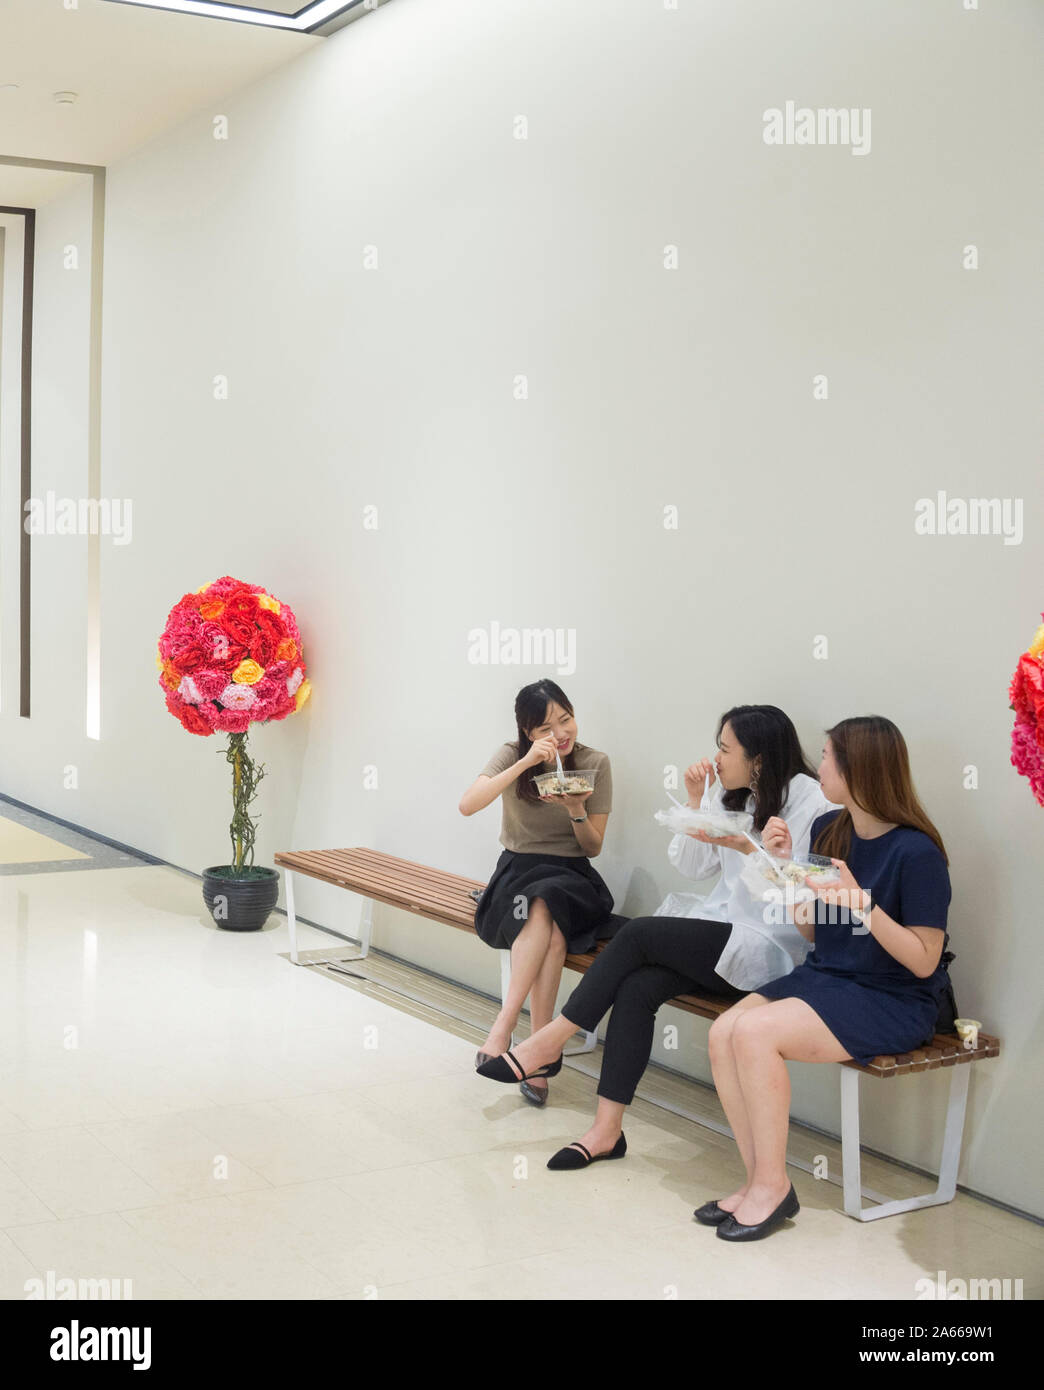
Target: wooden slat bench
x,y
444,897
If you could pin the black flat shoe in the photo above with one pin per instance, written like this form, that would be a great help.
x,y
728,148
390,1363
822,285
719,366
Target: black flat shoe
x,y
735,1230
496,1069
710,1214
570,1158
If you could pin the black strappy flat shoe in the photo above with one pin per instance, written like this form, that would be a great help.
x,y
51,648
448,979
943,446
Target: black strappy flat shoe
x,y
568,1157
496,1069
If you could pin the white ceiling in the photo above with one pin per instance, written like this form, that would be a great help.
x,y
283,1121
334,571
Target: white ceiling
x,y
31,188
137,72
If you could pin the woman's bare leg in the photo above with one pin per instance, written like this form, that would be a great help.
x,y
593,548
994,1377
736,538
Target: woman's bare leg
x,y
607,1127
730,1092
545,991
762,1041
528,952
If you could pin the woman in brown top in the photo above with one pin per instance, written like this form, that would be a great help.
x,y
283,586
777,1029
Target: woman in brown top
x,y
545,899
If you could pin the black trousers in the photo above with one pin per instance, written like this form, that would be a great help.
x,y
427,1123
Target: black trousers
x,y
648,961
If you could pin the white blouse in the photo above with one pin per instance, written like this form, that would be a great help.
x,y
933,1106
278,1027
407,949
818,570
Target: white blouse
x,y
757,950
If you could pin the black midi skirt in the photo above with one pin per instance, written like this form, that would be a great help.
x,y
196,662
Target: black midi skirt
x,y
580,903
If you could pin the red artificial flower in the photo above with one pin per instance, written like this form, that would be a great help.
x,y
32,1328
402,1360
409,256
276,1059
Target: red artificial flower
x,y
207,635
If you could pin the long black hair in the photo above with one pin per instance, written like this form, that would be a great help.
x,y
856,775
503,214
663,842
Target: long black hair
x,y
765,732
531,705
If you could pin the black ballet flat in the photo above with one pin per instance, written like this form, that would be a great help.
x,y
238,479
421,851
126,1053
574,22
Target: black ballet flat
x,y
496,1069
735,1230
710,1214
569,1158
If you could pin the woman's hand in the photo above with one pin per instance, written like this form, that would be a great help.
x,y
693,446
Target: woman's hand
x,y
738,842
696,779
542,751
776,838
846,894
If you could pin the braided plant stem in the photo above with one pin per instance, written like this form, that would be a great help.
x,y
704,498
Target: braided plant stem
x,y
246,774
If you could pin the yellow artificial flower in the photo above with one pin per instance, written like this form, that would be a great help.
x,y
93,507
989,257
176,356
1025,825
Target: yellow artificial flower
x,y
248,672
202,587
159,661
267,601
1037,645
303,692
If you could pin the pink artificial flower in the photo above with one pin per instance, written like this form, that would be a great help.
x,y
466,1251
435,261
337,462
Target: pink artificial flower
x,y
210,683
238,697
232,721
1027,757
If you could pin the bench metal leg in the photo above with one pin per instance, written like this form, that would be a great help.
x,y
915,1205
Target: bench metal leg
x,y
365,927
291,920
590,1042
851,1157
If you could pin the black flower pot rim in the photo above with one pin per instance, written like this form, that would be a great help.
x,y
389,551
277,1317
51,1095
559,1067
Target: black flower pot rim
x,y
221,871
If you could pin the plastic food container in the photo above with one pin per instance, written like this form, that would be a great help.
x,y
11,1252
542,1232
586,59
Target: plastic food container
x,y
765,879
570,783
968,1032
680,820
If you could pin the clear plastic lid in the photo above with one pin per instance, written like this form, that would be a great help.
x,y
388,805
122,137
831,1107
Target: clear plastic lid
x,y
714,821
765,874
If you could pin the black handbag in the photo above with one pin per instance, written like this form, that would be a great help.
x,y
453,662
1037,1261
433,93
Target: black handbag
x,y
948,1010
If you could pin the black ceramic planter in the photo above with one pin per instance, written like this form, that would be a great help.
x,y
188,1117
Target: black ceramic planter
x,y
243,903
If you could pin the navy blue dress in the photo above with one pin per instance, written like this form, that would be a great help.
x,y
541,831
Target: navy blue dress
x,y
870,1002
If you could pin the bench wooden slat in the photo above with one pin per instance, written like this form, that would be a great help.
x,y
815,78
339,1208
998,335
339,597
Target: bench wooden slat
x,y
354,861
433,887
443,897
450,895
421,871
352,867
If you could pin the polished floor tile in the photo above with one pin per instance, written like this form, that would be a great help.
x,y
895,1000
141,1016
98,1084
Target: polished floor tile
x,y
19,844
182,1108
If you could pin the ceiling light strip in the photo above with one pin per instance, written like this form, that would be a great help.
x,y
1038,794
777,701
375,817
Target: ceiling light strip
x,y
317,13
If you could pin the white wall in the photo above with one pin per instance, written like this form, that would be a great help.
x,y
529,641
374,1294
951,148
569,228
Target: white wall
x,y
37,750
647,388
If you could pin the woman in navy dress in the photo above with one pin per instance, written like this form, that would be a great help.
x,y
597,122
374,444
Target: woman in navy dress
x,y
873,981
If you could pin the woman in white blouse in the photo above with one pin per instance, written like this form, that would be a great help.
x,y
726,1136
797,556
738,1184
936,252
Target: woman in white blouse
x,y
722,943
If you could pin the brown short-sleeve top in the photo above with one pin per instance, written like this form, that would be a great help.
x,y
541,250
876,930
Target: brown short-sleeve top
x,y
537,827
